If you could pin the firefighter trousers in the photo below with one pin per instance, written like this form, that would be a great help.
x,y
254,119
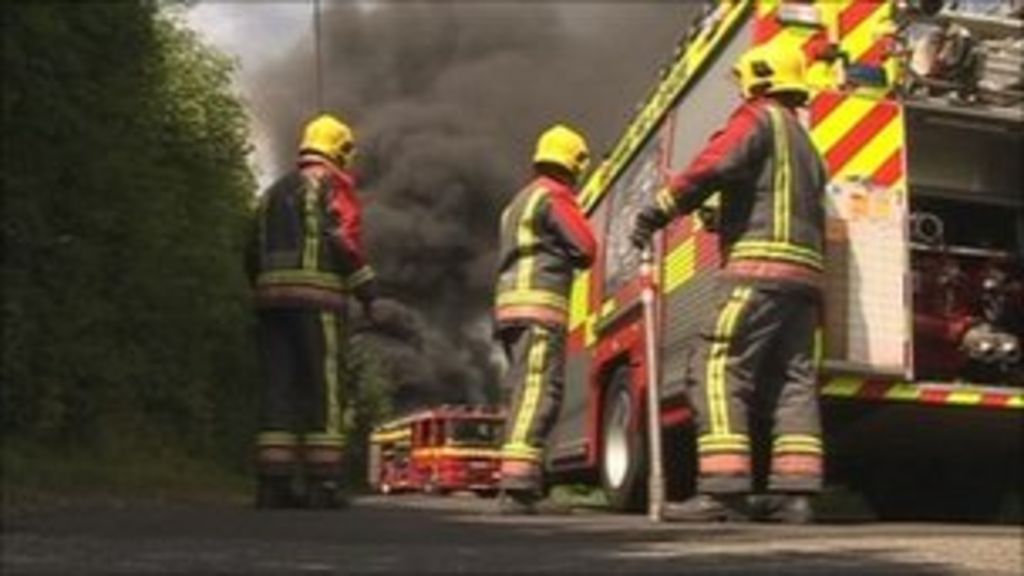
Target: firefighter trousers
x,y
302,406
754,389
535,381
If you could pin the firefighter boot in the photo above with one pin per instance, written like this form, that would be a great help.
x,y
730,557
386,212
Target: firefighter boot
x,y
708,508
529,503
323,472
518,502
325,494
783,508
274,492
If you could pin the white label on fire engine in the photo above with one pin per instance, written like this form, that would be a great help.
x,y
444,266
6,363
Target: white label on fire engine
x,y
866,315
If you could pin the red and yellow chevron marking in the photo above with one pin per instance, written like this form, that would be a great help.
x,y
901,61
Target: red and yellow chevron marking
x,y
861,28
768,28
859,136
925,393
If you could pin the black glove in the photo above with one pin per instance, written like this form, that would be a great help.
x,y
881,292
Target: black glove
x,y
648,221
710,217
366,293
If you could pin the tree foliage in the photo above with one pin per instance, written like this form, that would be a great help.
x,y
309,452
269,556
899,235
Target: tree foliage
x,y
126,192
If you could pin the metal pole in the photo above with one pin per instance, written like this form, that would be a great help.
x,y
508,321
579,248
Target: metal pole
x,y
656,474
318,63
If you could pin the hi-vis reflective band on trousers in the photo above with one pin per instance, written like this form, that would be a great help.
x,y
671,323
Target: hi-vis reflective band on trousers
x,y
797,455
276,447
536,364
713,443
797,444
332,406
717,389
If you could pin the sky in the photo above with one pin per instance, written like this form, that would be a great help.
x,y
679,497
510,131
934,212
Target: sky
x,y
255,34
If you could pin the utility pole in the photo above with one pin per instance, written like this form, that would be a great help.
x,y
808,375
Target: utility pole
x,y
317,58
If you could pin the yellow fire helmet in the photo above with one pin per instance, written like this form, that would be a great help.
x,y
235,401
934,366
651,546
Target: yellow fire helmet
x,y
563,146
770,69
330,137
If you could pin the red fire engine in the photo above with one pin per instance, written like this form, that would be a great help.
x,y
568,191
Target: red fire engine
x,y
916,109
438,450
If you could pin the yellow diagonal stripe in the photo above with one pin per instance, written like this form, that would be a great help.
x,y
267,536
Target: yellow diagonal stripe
x,y
872,155
859,40
841,120
766,7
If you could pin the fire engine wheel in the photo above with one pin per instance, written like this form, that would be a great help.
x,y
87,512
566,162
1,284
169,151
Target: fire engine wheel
x,y
432,488
623,459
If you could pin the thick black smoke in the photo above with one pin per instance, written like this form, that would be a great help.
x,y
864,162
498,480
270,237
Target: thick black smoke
x,y
447,99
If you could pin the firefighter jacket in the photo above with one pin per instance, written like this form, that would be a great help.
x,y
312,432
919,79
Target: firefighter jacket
x,y
308,248
544,238
772,183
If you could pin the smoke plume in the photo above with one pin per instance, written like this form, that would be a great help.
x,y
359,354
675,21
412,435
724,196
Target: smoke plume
x,y
447,99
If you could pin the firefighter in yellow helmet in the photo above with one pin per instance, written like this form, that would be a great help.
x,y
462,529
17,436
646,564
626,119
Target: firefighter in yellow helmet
x,y
755,358
306,257
544,239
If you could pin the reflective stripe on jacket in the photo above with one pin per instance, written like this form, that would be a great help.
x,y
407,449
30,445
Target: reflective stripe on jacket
x,y
772,182
544,237
309,247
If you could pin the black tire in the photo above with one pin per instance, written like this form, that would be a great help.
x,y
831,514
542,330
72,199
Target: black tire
x,y
434,489
623,465
430,488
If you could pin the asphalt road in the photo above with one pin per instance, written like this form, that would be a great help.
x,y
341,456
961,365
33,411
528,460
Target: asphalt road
x,y
415,534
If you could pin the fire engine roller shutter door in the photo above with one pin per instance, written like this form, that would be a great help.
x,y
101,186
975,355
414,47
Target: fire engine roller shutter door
x,y
691,254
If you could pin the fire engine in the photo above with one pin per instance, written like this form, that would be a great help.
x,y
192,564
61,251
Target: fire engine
x,y
438,450
916,110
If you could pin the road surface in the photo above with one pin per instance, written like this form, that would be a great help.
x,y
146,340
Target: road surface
x,y
419,534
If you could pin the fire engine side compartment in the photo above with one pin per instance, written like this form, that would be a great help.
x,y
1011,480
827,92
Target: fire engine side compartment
x,y
948,441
